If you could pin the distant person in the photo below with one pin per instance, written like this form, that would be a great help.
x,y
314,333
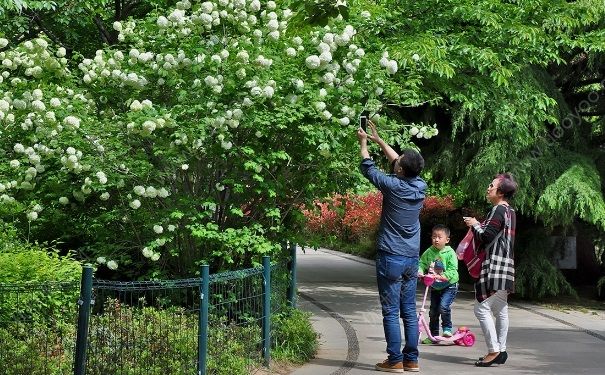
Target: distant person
x,y
440,260
497,277
397,248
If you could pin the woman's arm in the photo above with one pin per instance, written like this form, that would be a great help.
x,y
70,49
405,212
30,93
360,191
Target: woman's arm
x,y
487,230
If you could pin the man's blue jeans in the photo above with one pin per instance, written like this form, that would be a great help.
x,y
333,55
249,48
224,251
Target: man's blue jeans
x,y
441,304
397,277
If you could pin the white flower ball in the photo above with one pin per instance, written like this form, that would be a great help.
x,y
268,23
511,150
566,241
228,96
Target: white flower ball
x,y
104,196
136,105
32,216
158,229
112,265
268,92
414,130
135,204
101,260
139,190
163,22
185,167
313,62
72,121
290,52
391,67
64,200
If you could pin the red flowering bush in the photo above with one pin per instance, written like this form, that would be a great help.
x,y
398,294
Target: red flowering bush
x,y
437,207
352,217
323,217
362,215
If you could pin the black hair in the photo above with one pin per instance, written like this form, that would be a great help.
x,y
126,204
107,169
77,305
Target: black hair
x,y
443,228
411,162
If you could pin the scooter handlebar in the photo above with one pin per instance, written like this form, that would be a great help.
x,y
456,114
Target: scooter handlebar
x,y
428,279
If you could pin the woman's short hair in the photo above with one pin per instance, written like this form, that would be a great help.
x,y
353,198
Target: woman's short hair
x,y
508,185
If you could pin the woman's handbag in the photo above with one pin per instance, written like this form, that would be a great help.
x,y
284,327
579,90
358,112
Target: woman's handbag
x,y
471,254
471,251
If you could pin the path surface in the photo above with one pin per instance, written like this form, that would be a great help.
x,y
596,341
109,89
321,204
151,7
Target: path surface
x,y
340,291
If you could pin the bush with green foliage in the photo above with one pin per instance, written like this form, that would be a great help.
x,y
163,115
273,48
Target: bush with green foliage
x,y
293,337
536,276
194,137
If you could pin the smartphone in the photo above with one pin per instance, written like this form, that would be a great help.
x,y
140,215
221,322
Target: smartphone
x,y
363,123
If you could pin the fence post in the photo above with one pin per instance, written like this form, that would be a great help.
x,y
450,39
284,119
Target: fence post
x,y
266,310
292,269
203,320
83,319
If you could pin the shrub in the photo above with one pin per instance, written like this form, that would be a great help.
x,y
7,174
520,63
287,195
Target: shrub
x,y
293,337
36,349
362,215
535,274
47,282
353,218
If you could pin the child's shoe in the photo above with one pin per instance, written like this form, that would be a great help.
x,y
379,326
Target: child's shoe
x,y
447,333
427,341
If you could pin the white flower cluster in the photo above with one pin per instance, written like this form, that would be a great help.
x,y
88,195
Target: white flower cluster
x,y
71,160
150,254
111,264
150,192
104,68
389,65
146,127
425,131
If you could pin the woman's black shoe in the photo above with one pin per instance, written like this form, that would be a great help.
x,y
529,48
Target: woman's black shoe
x,y
496,360
503,357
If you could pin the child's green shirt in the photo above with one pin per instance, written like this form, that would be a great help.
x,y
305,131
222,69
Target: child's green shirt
x,y
446,256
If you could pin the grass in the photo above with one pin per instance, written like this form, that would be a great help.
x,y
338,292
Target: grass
x,y
365,248
586,303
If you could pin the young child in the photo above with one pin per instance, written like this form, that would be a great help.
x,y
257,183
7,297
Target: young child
x,y
441,261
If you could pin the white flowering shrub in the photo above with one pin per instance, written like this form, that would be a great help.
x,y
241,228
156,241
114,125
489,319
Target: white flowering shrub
x,y
193,138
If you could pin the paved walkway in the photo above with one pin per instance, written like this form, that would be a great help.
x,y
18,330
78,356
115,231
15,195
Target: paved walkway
x,y
340,291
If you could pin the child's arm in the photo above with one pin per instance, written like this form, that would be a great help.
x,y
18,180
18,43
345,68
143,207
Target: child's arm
x,y
424,262
451,268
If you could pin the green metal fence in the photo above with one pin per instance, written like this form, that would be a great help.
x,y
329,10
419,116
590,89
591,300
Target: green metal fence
x,y
38,328
213,324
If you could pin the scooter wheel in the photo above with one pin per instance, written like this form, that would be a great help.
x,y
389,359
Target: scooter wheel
x,y
468,339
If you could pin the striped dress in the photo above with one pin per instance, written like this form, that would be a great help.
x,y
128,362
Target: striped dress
x,y
498,268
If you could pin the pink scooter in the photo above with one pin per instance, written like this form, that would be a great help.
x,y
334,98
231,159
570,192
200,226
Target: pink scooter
x,y
463,336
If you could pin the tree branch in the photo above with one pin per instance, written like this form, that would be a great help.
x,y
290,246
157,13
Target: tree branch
x,y
104,34
118,10
38,21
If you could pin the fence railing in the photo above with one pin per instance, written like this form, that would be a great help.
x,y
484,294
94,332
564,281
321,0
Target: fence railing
x,y
188,326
